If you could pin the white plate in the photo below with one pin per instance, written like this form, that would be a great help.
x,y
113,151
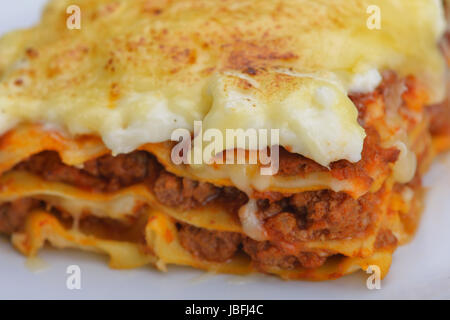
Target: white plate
x,y
419,270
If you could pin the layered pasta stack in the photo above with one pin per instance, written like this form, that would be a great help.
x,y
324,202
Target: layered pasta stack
x,y
355,88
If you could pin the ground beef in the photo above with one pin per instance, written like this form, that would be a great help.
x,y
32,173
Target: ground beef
x,y
294,164
49,166
215,246
221,246
182,192
266,254
186,194
317,215
439,118
271,196
200,192
334,214
373,156
104,174
124,169
387,100
109,174
267,208
232,199
168,189
361,102
385,238
13,214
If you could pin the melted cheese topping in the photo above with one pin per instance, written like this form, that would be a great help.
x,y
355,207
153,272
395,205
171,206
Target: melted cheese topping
x,y
313,114
137,69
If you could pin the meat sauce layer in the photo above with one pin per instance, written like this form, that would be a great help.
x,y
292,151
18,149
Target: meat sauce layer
x,y
311,215
209,245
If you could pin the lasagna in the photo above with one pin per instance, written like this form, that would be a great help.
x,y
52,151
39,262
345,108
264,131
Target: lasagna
x,y
356,89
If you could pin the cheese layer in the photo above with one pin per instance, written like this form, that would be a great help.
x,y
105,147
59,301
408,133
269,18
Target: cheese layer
x,y
137,70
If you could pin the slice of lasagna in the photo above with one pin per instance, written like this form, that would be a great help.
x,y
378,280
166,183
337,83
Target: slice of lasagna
x,y
355,89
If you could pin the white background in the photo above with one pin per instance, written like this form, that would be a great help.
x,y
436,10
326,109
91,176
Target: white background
x,y
420,269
